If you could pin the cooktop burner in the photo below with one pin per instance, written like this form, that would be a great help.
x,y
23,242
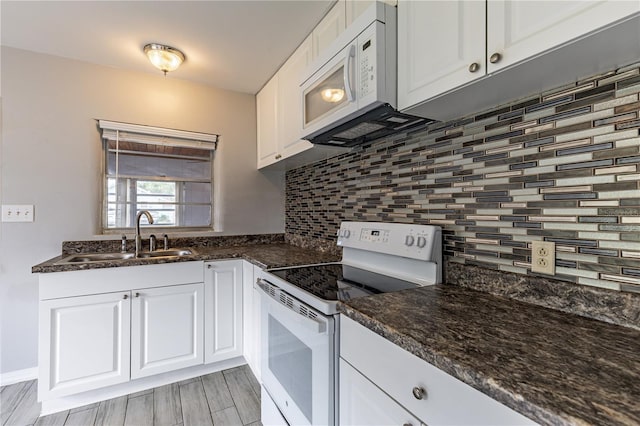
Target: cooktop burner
x,y
338,282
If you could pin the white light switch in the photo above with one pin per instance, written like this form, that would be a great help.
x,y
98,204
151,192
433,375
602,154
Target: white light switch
x,y
17,212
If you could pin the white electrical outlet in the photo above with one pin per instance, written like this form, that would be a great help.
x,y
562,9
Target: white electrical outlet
x,y
543,257
17,213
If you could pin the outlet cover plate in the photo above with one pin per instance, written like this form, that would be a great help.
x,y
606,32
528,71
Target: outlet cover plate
x,y
17,213
543,257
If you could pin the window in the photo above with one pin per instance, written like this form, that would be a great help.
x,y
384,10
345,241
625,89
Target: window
x,y
167,172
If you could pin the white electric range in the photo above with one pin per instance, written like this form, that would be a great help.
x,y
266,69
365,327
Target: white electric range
x,y
300,306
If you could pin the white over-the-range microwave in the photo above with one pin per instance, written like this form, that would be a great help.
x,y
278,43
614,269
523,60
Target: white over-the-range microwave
x,y
349,92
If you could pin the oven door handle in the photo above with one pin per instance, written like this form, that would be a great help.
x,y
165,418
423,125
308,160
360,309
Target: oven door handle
x,y
317,327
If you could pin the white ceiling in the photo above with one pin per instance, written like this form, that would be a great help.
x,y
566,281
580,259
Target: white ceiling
x,y
236,45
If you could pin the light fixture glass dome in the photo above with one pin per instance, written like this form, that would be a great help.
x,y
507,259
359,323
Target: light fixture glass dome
x,y
165,58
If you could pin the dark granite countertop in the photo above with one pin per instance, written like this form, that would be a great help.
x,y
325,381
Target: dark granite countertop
x,y
263,255
551,366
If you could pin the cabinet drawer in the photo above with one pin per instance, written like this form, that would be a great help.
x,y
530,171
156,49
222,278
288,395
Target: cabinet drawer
x,y
446,400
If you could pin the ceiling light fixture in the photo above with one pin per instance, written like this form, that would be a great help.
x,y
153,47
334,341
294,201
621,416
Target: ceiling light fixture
x,y
165,58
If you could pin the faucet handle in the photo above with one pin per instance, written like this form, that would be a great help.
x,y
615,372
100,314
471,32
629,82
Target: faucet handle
x,y
152,242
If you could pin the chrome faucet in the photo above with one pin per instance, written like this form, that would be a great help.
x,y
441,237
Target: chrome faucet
x,y
138,237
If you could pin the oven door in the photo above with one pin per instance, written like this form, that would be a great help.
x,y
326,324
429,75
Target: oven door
x,y
298,361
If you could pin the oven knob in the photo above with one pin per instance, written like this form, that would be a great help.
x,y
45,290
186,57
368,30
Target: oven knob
x,y
422,241
347,233
409,240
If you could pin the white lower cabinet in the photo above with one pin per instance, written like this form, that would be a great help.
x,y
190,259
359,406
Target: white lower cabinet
x,y
104,327
363,403
84,343
398,380
223,289
166,329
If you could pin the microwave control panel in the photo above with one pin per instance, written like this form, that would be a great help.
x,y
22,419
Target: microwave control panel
x,y
367,54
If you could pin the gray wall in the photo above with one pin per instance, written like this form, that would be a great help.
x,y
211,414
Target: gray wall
x,y
50,157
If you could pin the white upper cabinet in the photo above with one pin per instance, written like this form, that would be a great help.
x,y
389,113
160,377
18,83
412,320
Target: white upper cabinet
x,y
267,120
451,64
441,45
331,26
518,30
279,110
354,8
290,101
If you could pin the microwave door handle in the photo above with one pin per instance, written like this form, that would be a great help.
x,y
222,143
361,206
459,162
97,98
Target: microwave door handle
x,y
351,53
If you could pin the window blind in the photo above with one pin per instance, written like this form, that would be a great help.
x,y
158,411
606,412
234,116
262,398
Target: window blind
x,y
165,171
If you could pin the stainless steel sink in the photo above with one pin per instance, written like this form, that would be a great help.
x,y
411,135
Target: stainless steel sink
x,y
96,257
102,257
166,253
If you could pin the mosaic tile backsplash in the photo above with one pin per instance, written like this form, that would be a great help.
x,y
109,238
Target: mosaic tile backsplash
x,y
563,166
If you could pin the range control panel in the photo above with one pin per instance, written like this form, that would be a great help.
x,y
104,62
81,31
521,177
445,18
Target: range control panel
x,y
400,239
373,235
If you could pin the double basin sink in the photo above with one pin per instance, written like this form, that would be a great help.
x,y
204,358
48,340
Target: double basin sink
x,y
103,257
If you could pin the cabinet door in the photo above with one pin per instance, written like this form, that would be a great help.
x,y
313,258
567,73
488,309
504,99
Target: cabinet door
x,y
267,122
438,41
249,334
518,30
354,8
223,310
84,343
363,403
331,26
166,329
256,313
290,101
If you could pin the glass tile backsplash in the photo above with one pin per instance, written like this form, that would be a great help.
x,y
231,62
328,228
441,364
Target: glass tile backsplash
x,y
563,166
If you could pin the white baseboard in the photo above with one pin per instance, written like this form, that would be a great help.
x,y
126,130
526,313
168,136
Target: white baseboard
x,y
18,376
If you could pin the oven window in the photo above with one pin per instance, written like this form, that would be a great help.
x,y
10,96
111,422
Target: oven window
x,y
290,361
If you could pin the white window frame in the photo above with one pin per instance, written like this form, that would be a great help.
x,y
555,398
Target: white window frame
x,y
112,130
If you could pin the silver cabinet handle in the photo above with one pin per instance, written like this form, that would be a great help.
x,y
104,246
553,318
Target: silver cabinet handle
x,y
209,266
474,67
418,392
125,297
137,294
495,58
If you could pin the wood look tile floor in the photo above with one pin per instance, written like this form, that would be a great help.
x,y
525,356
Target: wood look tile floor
x,y
229,397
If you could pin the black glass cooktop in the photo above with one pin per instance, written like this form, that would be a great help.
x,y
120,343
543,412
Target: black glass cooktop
x,y
335,281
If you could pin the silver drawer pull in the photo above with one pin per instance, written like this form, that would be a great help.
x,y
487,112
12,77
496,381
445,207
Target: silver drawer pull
x,y
418,392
